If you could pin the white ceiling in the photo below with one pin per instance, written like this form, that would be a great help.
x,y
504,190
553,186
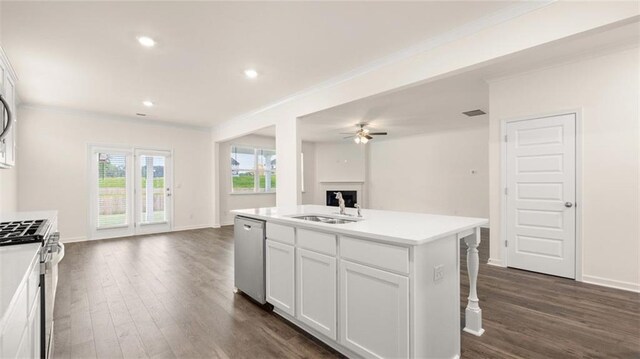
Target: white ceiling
x,y
84,55
438,105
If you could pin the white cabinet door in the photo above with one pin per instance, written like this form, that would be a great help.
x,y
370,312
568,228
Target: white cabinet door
x,y
374,311
281,276
34,327
316,291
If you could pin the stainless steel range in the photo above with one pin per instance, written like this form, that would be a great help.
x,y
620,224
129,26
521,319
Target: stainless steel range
x,y
38,231
20,232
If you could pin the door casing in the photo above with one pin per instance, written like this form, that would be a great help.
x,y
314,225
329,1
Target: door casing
x,y
578,166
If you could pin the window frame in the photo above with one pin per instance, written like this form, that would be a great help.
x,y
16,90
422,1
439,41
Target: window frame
x,y
257,150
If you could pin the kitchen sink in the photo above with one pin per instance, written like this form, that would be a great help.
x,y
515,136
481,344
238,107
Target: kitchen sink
x,y
324,219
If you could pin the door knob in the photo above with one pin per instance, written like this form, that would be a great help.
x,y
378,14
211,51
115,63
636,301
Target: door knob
x,y
568,204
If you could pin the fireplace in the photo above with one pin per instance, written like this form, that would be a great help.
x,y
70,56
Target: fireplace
x,y
350,198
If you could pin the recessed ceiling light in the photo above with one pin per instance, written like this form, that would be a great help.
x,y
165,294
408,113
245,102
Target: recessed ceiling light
x,y
251,73
146,41
147,103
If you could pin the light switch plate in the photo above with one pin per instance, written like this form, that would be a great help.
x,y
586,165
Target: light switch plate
x,y
438,272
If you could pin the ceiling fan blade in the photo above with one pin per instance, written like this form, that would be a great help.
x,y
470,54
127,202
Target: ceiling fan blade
x,y
346,133
344,138
377,133
368,137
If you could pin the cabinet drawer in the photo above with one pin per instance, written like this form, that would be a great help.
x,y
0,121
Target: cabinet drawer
x,y
393,258
317,241
280,233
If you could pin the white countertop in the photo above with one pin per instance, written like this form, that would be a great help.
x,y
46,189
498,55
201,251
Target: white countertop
x,y
15,260
389,226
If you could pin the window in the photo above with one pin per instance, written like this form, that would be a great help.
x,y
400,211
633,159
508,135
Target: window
x,y
253,170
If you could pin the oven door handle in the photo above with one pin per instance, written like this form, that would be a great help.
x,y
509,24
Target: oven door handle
x,y
45,261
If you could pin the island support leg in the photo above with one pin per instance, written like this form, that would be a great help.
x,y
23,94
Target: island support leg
x,y
473,313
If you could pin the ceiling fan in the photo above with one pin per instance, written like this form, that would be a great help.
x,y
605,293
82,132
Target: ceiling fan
x,y
363,135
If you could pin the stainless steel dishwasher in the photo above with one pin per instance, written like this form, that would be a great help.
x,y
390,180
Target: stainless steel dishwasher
x,y
249,267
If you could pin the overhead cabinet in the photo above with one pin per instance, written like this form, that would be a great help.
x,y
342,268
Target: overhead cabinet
x,y
8,90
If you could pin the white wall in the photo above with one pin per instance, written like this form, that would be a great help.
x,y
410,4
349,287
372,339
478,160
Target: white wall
x,y
529,25
310,175
340,162
52,172
0,22
606,89
8,189
341,166
431,172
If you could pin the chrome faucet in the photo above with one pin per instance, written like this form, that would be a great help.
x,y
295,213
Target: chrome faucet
x,y
358,208
340,202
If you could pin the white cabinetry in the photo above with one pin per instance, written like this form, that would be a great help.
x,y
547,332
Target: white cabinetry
x,y
374,311
20,328
316,291
280,276
364,297
8,91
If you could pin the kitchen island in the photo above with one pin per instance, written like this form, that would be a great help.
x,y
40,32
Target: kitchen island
x,y
385,285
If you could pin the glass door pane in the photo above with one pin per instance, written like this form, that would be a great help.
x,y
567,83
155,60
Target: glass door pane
x,y
112,190
153,189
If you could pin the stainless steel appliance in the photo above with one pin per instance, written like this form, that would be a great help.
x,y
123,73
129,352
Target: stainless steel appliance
x,y
5,122
48,279
39,231
20,232
249,267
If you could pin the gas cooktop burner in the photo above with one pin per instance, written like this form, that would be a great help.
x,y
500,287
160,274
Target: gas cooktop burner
x,y
19,232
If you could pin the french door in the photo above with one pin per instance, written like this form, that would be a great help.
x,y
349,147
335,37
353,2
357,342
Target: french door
x,y
153,191
130,191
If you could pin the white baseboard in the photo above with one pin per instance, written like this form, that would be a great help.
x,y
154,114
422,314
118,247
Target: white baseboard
x,y
611,283
227,223
73,239
495,262
175,229
187,228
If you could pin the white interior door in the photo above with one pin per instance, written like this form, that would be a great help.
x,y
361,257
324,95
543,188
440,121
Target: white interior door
x,y
111,192
153,191
541,194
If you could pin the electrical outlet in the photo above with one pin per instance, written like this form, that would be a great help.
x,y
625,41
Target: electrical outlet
x,y
438,272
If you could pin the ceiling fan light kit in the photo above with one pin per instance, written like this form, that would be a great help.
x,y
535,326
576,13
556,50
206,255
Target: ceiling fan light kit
x,y
363,135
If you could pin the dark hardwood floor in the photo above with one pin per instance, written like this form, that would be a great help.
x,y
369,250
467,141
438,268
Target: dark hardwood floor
x,y
170,295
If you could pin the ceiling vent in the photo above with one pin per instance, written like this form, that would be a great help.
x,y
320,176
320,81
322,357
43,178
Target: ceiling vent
x,y
474,113
141,114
